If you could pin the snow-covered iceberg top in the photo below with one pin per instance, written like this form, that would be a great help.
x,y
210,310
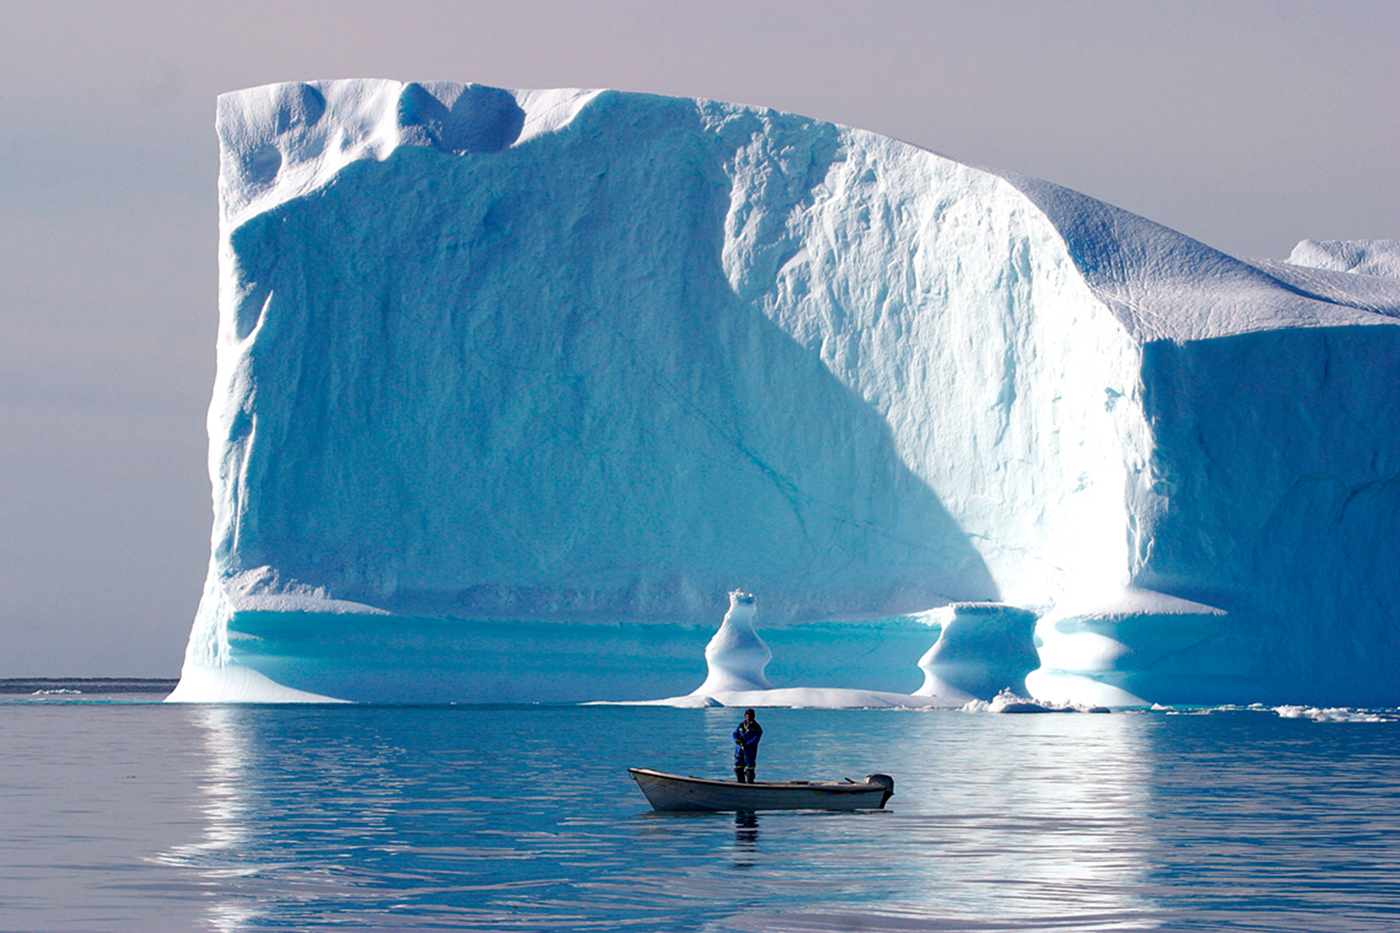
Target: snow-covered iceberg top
x,y
1361,257
283,141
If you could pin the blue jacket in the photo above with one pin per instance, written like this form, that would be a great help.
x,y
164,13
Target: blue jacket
x,y
746,742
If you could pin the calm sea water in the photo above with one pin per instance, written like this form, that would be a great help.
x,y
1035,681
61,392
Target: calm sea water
x,y
127,815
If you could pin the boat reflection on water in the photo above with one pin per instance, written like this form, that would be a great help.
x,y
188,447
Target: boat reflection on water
x,y
745,838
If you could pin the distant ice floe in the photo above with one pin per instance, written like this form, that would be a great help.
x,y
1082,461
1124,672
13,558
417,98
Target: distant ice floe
x,y
1340,714
1362,257
796,698
1316,714
1008,701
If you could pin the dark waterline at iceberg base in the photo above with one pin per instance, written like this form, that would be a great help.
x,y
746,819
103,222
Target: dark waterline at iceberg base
x,y
123,815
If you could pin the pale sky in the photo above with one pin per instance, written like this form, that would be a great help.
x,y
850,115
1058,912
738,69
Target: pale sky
x,y
1248,125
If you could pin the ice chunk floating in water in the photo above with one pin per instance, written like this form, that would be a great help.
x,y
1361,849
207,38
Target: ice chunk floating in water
x,y
514,385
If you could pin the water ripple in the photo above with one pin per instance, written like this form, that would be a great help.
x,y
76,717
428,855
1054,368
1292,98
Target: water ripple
x,y
523,819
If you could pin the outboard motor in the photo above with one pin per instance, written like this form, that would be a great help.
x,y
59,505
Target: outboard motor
x,y
884,780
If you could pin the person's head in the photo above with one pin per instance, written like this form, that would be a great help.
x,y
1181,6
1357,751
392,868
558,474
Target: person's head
x,y
748,714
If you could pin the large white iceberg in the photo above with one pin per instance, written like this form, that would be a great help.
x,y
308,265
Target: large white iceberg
x,y
514,386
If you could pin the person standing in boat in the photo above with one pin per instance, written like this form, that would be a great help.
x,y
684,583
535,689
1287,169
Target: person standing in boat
x,y
746,747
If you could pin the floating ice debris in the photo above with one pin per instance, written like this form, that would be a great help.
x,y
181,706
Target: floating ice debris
x,y
1336,714
1008,701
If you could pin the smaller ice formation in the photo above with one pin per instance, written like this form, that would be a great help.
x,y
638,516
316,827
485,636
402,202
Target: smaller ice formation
x,y
1008,701
1335,714
983,648
736,656
1362,257
736,659
1121,650
233,684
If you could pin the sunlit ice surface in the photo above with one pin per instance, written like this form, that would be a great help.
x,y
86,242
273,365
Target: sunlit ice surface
x,y
229,818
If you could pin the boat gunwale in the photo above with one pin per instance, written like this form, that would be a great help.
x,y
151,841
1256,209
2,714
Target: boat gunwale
x,y
847,786
676,792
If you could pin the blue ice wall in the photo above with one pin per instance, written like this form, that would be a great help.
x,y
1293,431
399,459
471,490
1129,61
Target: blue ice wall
x,y
474,385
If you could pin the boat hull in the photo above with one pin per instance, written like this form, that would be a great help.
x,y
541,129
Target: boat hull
x,y
675,793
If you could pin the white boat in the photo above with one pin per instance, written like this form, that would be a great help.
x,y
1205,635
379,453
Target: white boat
x,y
670,792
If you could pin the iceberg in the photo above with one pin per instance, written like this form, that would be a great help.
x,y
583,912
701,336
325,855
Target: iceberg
x,y
513,387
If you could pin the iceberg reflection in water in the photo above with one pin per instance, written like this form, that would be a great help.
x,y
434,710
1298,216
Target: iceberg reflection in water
x,y
521,816
524,818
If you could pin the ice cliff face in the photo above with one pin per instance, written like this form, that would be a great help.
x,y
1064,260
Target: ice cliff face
x,y
593,358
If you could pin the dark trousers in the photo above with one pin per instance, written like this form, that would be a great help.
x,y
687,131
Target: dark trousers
x,y
744,761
